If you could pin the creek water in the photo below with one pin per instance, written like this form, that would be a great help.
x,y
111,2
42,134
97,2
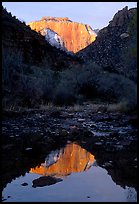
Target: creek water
x,y
78,178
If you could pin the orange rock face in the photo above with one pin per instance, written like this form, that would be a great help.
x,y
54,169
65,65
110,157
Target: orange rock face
x,y
76,36
73,159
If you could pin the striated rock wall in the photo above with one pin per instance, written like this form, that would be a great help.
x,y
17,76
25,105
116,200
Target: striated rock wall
x,y
75,36
53,38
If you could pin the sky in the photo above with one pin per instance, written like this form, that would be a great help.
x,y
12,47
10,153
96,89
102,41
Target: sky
x,y
96,14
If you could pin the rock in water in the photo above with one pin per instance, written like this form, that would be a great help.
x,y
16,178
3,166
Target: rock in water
x,y
45,181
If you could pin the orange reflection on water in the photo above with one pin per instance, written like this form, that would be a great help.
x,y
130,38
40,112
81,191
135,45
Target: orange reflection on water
x,y
73,158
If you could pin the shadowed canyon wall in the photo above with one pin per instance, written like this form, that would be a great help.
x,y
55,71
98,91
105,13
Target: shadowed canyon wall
x,y
115,47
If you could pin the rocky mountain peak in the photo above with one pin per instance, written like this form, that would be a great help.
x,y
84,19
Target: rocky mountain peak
x,y
75,36
121,17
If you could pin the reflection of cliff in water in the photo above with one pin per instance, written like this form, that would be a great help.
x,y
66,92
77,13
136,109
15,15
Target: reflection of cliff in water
x,y
122,170
72,158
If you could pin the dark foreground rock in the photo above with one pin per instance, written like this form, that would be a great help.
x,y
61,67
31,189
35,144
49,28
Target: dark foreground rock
x,y
45,181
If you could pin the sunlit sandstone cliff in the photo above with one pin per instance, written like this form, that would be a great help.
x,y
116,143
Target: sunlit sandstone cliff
x,y
72,158
74,36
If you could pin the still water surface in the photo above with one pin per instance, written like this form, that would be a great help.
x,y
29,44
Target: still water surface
x,y
81,180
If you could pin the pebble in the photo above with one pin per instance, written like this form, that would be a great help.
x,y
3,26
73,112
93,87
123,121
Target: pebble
x,y
28,148
98,143
24,184
81,120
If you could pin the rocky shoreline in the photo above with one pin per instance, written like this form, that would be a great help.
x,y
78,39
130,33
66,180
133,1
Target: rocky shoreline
x,y
27,137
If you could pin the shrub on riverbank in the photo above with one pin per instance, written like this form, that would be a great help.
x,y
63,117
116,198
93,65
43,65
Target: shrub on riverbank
x,y
35,86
